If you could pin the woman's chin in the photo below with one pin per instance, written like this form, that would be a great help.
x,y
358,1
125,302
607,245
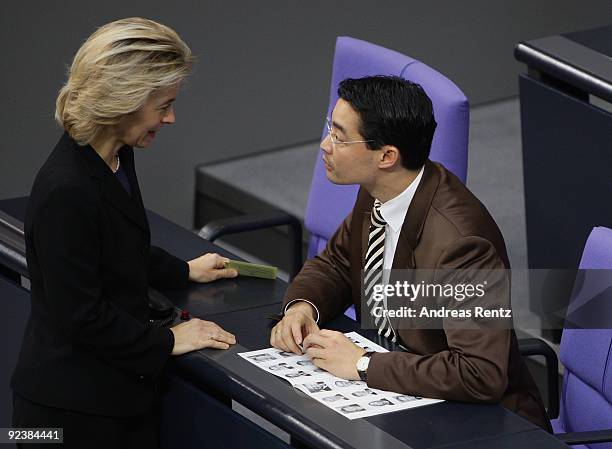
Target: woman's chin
x,y
145,141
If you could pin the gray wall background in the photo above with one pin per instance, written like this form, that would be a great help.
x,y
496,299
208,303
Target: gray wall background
x,y
262,80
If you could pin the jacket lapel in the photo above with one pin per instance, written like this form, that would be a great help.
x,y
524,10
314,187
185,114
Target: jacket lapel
x,y
365,235
112,190
137,203
415,218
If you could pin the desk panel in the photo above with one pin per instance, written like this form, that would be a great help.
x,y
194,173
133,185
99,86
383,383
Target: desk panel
x,y
437,425
15,310
530,439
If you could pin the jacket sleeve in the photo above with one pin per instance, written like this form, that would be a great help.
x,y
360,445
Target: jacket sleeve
x,y
67,243
474,367
325,279
166,270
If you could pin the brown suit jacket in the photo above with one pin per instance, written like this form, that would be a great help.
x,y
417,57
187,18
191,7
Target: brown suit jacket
x,y
446,226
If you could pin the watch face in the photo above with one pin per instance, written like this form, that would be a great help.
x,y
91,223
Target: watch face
x,y
362,363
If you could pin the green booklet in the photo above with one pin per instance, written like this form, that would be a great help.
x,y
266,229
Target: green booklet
x,y
252,269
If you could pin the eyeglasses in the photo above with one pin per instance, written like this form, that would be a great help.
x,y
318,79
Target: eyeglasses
x,y
334,138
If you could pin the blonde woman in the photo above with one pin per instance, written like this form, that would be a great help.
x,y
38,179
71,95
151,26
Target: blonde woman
x,y
90,359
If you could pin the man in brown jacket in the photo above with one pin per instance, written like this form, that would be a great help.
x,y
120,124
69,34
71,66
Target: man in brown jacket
x,y
379,137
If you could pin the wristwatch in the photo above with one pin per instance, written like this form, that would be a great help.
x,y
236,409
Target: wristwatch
x,y
362,365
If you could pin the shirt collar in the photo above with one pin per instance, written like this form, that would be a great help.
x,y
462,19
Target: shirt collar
x,y
394,210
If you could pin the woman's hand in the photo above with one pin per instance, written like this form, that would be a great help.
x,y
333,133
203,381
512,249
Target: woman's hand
x,y
198,334
210,267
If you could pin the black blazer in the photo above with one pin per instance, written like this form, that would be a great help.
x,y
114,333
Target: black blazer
x,y
88,345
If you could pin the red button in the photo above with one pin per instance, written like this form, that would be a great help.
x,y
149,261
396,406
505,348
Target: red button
x,y
185,315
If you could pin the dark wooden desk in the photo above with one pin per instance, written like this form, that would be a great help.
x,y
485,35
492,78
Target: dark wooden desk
x,y
195,407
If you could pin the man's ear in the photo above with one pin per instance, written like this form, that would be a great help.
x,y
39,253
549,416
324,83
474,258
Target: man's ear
x,y
389,157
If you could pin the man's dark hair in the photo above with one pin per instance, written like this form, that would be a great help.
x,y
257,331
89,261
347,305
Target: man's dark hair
x,y
393,111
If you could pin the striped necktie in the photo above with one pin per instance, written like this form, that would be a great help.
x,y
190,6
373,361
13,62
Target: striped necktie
x,y
373,268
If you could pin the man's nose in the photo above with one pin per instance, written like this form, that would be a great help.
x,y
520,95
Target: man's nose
x,y
327,145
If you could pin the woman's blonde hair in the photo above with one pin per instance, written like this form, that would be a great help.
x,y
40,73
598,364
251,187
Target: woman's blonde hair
x,y
114,72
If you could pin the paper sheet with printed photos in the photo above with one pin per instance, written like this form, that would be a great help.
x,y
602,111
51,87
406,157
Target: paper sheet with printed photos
x,y
352,399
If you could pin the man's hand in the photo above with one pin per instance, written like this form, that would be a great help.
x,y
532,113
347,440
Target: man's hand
x,y
210,267
334,352
198,334
298,322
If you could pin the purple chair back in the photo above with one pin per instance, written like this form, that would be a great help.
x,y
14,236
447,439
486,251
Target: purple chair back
x,y
586,397
329,204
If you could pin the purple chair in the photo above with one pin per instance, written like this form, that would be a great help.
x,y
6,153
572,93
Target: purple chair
x,y
329,204
586,397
